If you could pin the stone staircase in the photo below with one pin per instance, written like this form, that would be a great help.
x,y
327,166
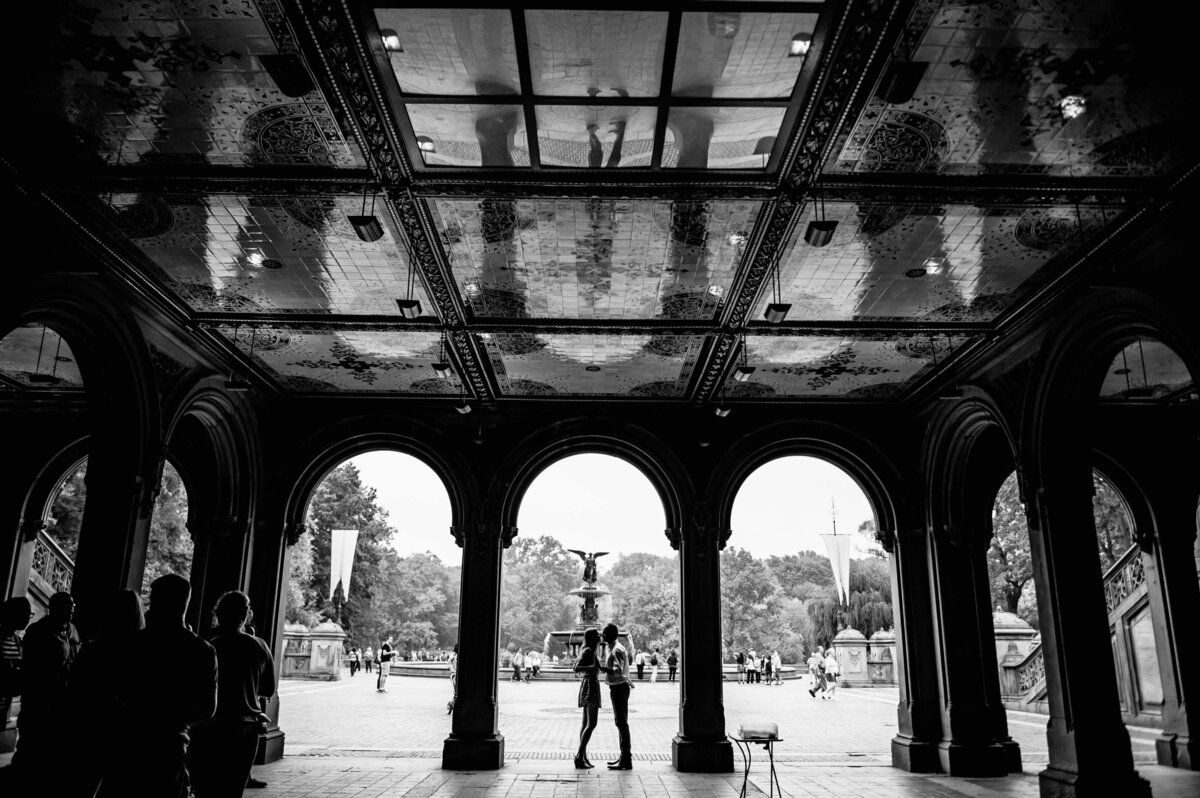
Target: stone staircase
x,y
50,572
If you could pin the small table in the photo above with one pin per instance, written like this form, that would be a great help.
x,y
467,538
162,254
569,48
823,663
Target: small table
x,y
743,744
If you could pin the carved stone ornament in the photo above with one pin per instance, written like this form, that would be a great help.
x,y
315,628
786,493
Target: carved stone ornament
x,y
673,536
293,531
459,537
31,527
507,535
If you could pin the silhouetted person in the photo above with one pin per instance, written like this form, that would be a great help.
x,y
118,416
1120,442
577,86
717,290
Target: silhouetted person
x,y
588,665
92,689
48,652
616,669
163,703
14,617
223,748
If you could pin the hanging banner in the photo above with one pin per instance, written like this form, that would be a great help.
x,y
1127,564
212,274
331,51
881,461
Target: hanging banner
x,y
838,547
341,559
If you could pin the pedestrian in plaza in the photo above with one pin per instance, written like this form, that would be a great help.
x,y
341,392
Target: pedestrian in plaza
x,y
832,670
654,666
616,669
162,704
672,664
816,672
535,657
766,668
453,661
354,660
518,662
529,665
777,666
223,748
368,659
386,653
639,662
751,667
48,653
740,659
589,693
14,617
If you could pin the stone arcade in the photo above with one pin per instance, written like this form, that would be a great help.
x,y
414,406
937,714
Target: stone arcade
x,y
930,242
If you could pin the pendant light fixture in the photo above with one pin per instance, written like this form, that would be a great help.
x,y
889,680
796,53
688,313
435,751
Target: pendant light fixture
x,y
1145,391
366,225
776,311
410,308
442,367
237,384
37,376
820,231
744,370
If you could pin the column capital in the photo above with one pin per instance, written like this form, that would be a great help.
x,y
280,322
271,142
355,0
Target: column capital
x,y
31,527
293,531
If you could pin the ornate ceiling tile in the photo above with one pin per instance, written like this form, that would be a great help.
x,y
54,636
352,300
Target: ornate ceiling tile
x,y
1049,88
319,360
1145,370
924,263
875,367
594,259
592,365
162,81
276,254
35,356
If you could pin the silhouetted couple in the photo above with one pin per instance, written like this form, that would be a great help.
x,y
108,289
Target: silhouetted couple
x,y
616,670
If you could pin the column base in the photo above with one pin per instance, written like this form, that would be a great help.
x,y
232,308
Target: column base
x,y
270,746
482,753
914,756
1177,751
977,760
710,756
1056,783
1012,755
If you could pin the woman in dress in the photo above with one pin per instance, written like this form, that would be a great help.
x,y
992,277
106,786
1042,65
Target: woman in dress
x,y
589,693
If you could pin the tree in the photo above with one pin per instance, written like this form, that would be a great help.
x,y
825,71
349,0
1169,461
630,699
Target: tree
x,y
868,609
645,598
1010,568
746,586
66,512
538,576
1114,532
169,545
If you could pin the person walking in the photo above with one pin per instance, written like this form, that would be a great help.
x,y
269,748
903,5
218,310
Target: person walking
x,y
831,673
529,659
766,668
616,669
535,662
386,652
518,661
777,666
589,693
672,664
368,659
654,666
639,662
816,672
740,659
223,747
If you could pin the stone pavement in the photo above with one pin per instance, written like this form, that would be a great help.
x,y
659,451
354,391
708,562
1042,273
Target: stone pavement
x,y
540,721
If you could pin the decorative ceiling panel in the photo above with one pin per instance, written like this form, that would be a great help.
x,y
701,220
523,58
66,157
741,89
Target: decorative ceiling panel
x,y
173,81
721,138
278,254
596,136
864,367
35,356
594,259
991,99
924,263
584,53
642,366
318,360
461,51
470,135
740,55
1145,370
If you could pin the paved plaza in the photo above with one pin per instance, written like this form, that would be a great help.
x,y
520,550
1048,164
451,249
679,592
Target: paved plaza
x,y
345,739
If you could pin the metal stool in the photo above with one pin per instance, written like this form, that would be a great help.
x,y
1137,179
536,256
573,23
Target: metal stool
x,y
743,744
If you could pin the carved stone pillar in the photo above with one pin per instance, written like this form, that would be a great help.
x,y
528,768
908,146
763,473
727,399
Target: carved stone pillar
x,y
1089,745
969,699
475,742
701,745
915,746
1174,606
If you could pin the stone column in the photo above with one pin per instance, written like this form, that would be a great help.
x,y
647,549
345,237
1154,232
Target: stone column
x,y
475,742
969,700
267,568
220,562
914,748
1174,606
701,745
1089,745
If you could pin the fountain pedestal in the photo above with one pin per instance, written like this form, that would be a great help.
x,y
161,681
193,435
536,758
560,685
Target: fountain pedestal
x,y
566,644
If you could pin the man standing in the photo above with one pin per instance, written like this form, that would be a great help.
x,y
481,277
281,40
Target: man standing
x,y
640,661
49,649
654,666
672,665
385,665
616,669
223,748
14,617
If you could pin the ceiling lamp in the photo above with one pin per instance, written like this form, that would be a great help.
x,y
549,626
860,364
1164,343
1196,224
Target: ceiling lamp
x,y
367,226
464,408
1072,106
238,384
409,308
425,144
288,72
722,412
391,41
37,376
820,231
776,311
933,266
744,370
801,42
724,25
441,367
900,81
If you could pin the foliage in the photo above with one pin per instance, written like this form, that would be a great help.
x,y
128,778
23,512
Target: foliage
x,y
868,609
645,599
534,600
1114,531
169,544
66,512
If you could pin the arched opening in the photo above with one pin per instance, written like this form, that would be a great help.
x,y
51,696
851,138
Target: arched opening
x,y
800,528
590,551
396,578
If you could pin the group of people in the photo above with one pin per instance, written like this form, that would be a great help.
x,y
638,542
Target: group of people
x,y
189,728
753,668
525,665
368,658
654,660
361,659
823,670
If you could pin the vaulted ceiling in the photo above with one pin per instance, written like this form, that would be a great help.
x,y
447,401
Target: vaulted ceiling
x,y
602,203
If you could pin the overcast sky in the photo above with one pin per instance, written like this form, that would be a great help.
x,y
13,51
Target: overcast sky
x,y
599,503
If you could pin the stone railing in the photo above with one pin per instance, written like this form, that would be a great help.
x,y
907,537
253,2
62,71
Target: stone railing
x,y
51,570
1031,672
1124,578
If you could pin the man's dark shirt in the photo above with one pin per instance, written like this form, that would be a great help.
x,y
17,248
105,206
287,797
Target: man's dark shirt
x,y
246,672
178,688
49,652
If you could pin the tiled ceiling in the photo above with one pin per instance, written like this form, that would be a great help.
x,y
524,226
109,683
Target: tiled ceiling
x,y
601,202
35,356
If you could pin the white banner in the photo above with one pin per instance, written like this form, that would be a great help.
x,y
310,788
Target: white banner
x,y
838,547
341,559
